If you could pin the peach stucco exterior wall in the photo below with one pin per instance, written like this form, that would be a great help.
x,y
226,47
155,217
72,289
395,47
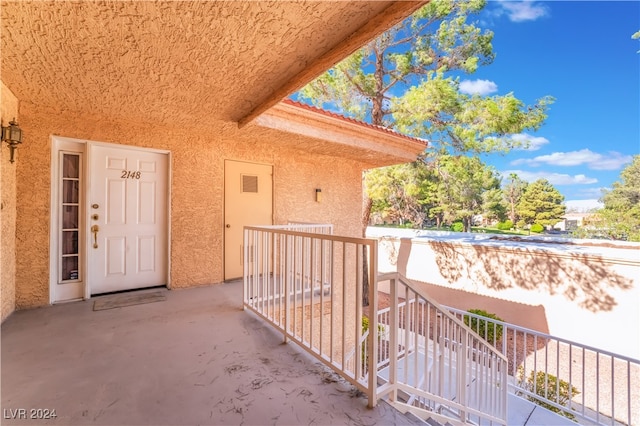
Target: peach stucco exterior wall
x,y
8,111
197,211
584,297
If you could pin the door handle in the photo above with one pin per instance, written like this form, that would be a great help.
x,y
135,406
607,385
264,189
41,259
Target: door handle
x,y
228,226
95,229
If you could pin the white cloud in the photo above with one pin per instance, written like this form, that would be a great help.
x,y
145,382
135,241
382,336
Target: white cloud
x,y
532,143
614,161
521,11
583,206
478,87
553,178
593,160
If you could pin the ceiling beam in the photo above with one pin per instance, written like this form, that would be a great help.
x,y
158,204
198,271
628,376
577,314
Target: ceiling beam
x,y
386,19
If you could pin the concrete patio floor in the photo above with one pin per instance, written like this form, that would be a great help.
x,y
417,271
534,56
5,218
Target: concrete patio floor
x,y
194,359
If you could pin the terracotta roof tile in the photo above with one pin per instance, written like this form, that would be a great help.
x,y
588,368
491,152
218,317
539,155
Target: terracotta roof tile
x,y
324,112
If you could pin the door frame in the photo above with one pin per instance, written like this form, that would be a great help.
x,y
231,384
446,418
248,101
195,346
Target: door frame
x,y
224,205
81,290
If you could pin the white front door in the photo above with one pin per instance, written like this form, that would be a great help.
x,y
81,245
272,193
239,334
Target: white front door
x,y
126,219
248,200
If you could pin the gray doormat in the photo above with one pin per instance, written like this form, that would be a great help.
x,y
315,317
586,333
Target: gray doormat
x,y
127,299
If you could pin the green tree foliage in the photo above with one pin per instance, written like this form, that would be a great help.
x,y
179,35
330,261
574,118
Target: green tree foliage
x,y
462,181
400,80
513,189
620,216
541,203
494,207
448,189
451,120
401,194
436,37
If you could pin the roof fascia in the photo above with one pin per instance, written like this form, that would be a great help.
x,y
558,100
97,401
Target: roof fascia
x,y
293,119
389,17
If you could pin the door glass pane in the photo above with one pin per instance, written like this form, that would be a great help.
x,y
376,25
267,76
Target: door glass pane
x,y
71,166
70,268
70,191
69,237
70,242
69,217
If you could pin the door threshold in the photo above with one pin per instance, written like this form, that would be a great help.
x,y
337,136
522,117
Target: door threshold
x,y
157,287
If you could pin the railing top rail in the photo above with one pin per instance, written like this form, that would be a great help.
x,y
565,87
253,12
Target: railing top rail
x,y
442,308
545,336
284,231
298,225
295,223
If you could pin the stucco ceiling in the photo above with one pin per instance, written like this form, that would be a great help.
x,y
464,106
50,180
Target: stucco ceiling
x,y
177,61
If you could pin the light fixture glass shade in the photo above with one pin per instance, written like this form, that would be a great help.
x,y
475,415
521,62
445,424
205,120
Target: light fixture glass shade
x,y
12,133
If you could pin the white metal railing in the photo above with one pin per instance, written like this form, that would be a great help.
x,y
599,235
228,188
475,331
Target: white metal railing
x,y
573,379
438,363
308,284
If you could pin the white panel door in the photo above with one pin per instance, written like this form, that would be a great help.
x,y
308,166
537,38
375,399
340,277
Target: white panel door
x,y
248,200
127,219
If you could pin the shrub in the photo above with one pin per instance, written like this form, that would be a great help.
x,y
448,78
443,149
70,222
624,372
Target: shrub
x,y
363,353
505,226
537,228
457,227
549,387
365,324
486,329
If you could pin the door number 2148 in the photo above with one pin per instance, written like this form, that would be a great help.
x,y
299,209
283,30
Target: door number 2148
x,y
129,174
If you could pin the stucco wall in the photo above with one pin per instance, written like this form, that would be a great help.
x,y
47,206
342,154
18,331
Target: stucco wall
x,y
8,110
197,212
583,294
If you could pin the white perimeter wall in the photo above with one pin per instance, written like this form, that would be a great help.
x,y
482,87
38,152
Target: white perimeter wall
x,y
588,291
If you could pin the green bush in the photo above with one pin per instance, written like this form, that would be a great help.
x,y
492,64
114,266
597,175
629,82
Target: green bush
x,y
537,228
549,387
487,330
363,354
505,226
457,227
365,324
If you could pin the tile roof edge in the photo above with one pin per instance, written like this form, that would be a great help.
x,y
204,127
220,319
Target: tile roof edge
x,y
337,116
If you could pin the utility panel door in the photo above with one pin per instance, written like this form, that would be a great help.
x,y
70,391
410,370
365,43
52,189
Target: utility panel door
x,y
248,200
127,223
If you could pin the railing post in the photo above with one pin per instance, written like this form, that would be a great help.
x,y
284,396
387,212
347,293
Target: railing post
x,y
373,324
393,337
287,278
245,270
463,354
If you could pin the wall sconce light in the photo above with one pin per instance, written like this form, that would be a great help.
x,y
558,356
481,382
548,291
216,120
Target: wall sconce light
x,y
318,195
12,135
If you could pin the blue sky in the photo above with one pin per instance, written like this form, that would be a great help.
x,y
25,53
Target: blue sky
x,y
582,54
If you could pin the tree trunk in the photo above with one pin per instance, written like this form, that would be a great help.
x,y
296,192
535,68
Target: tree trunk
x,y
367,203
377,115
377,112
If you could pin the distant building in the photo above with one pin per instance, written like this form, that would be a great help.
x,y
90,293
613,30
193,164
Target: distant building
x,y
571,221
